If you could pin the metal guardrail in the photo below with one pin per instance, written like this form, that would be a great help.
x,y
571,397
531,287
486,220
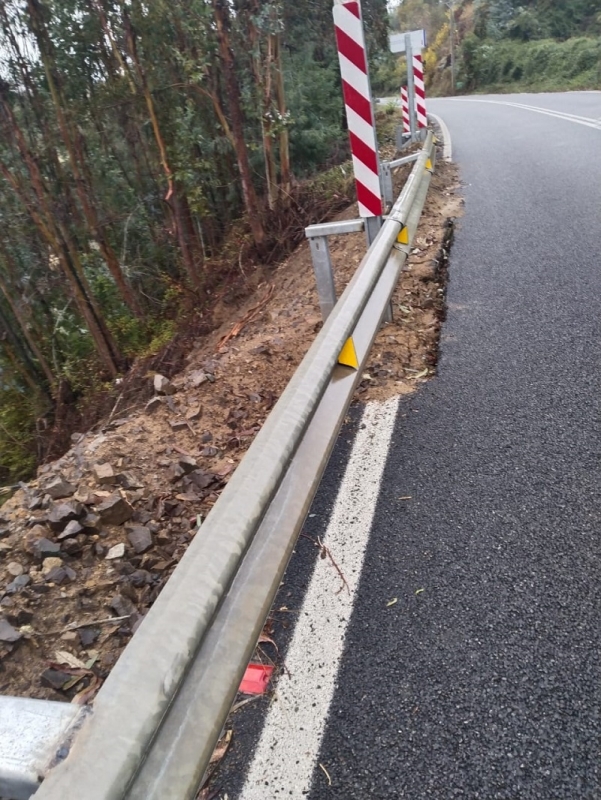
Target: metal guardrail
x,y
154,724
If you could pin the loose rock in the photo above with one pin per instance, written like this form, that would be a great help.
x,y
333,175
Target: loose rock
x,y
194,412
49,564
19,583
59,488
178,425
154,404
163,386
8,633
15,569
197,378
117,551
104,474
72,529
188,464
174,473
62,514
44,548
115,511
140,539
123,606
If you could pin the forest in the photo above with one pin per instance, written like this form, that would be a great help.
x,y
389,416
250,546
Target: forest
x,y
505,45
151,151
144,148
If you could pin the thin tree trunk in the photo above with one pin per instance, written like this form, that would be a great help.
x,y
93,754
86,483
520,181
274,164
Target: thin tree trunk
x,y
285,175
173,197
73,144
32,344
222,22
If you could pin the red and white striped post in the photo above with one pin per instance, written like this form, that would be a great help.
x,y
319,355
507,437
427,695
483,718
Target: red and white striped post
x,y
420,91
352,54
405,110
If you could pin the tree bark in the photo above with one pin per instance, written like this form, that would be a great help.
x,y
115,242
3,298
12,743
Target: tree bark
x,y
222,22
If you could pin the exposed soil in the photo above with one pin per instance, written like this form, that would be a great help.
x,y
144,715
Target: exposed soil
x,y
140,483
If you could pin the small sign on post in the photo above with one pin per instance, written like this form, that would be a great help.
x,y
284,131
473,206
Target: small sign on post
x,y
352,54
412,43
397,41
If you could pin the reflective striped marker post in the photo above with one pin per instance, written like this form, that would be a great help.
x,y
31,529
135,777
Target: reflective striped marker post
x,y
420,91
405,110
352,54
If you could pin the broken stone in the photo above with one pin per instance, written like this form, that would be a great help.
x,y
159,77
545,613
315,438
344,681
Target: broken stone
x,y
209,451
59,488
140,578
72,529
62,514
57,575
20,617
91,523
71,547
140,539
19,583
201,479
35,501
207,436
55,678
88,636
49,564
44,548
117,551
154,404
4,532
197,378
123,606
128,481
99,549
104,474
178,425
188,464
8,633
15,569
174,473
163,386
115,511
194,412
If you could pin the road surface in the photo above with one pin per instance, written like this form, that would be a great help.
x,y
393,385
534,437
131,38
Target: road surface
x,y
463,659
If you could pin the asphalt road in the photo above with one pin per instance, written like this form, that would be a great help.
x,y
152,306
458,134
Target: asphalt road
x,y
470,659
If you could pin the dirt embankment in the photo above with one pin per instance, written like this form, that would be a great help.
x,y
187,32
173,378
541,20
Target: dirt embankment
x,y
86,547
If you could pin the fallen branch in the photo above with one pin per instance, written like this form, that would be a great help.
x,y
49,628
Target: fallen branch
x,y
248,317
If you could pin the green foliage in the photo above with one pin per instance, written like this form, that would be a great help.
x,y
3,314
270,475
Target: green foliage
x,y
17,434
541,65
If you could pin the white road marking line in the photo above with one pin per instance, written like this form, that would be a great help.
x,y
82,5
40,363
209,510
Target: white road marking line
x,y
288,749
588,121
447,150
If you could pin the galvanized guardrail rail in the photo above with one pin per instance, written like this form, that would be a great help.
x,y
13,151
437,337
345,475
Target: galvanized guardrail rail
x,y
152,728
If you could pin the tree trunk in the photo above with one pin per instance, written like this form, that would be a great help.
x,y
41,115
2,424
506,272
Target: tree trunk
x,y
285,176
72,141
222,22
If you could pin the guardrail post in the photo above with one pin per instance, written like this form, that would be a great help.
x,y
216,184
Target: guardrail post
x,y
387,183
324,275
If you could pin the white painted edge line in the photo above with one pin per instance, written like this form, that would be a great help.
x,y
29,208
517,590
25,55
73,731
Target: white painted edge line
x,y
447,150
288,749
589,122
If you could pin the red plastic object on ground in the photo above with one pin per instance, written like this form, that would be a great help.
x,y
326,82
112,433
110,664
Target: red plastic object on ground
x,y
256,679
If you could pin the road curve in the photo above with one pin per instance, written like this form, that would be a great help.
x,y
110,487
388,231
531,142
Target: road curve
x,y
470,658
